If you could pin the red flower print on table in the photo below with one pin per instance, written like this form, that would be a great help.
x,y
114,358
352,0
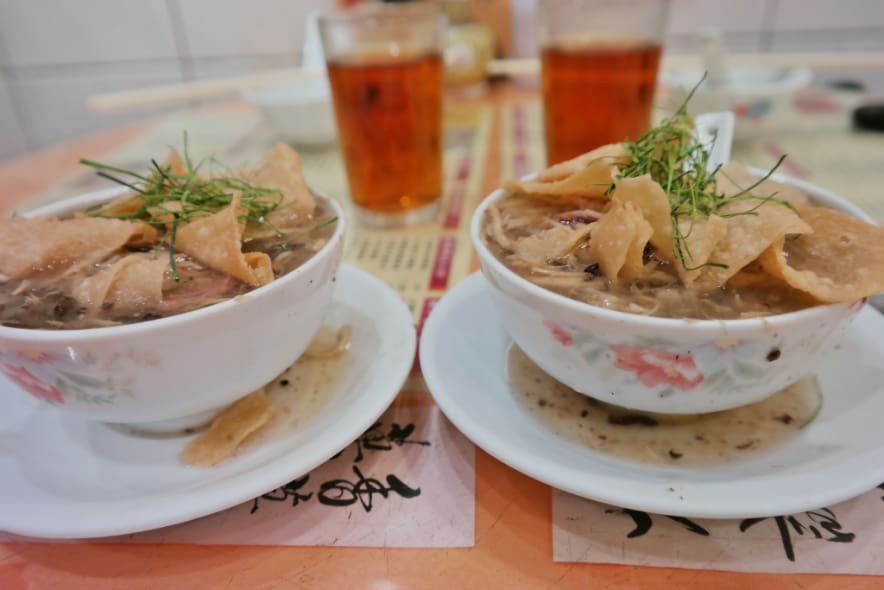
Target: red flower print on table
x,y
561,335
655,367
32,384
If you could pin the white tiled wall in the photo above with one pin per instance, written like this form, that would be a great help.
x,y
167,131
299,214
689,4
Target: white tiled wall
x,y
688,16
54,53
254,27
52,105
38,32
817,15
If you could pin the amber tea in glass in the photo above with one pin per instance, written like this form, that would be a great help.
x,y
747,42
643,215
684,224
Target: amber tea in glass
x,y
599,64
385,71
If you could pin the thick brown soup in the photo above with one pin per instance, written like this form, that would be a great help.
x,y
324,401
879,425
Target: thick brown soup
x,y
46,301
657,292
185,235
656,226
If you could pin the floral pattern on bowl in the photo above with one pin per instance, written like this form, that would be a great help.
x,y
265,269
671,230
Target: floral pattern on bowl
x,y
55,378
665,367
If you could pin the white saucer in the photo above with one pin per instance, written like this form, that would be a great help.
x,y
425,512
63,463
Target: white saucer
x,y
839,455
64,477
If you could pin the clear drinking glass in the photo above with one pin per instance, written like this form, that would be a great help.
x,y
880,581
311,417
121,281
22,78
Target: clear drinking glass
x,y
599,63
385,69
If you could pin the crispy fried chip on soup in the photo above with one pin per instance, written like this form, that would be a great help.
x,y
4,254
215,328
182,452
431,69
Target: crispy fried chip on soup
x,y
216,241
699,236
229,430
733,178
121,206
839,262
132,283
146,235
30,246
752,226
589,182
174,164
613,152
649,197
281,169
619,239
550,244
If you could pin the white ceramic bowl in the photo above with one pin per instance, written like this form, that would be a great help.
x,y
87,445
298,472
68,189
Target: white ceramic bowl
x,y
679,366
174,372
300,113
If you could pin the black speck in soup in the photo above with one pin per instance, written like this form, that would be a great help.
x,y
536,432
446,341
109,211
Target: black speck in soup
x,y
631,420
593,269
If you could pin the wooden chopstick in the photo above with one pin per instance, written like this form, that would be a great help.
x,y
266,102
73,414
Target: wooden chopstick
x,y
200,90
208,89
521,67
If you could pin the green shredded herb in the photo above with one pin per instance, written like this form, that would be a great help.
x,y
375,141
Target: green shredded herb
x,y
196,195
673,157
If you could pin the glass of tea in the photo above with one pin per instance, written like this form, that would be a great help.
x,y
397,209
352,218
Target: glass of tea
x,y
599,62
385,69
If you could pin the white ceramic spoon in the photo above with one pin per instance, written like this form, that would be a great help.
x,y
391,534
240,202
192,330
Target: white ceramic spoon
x,y
716,132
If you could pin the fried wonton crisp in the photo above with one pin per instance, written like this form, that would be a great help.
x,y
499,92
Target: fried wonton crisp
x,y
650,199
546,246
698,236
733,178
619,239
216,241
133,283
31,246
699,239
839,262
587,177
229,430
281,169
752,226
613,153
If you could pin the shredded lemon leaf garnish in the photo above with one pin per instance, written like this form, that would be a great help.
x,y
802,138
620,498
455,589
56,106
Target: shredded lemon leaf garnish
x,y
671,154
196,196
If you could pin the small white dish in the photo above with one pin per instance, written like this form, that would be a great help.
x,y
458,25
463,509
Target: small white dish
x,y
744,84
839,455
753,94
300,113
65,477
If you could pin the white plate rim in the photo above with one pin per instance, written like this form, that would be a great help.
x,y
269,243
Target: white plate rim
x,y
544,468
117,517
